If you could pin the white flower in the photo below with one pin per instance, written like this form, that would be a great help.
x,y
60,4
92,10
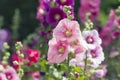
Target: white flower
x,y
91,38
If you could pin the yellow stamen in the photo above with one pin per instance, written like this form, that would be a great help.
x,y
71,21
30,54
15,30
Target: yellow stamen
x,y
57,17
62,1
68,33
61,50
89,40
75,42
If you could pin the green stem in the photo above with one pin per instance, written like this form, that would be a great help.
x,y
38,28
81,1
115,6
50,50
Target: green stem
x,y
68,66
85,65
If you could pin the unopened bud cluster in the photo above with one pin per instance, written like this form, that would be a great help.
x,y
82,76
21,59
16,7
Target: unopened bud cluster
x,y
18,46
6,54
89,23
67,10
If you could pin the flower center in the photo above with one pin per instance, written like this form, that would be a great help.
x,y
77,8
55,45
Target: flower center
x,y
62,1
57,17
9,76
94,55
75,42
89,61
68,33
61,50
89,40
41,11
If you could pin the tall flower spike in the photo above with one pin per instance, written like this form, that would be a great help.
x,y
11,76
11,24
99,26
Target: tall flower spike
x,y
67,10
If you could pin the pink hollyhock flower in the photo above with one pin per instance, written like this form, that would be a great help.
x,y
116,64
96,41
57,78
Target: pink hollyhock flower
x,y
3,76
92,2
1,68
58,51
78,60
78,46
67,30
33,55
35,75
11,74
116,34
109,26
41,10
114,52
40,13
106,38
107,29
100,73
95,56
16,58
91,38
117,22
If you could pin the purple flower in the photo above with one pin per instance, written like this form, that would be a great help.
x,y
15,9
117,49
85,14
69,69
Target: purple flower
x,y
65,2
91,38
54,16
3,37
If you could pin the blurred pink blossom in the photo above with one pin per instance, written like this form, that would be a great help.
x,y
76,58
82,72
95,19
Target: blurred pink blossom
x,y
89,6
106,31
101,73
35,75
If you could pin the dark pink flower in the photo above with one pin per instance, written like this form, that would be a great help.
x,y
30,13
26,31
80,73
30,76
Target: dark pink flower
x,y
16,58
33,56
116,34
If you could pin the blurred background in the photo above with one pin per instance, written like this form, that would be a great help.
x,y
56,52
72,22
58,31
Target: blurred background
x,y
18,17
